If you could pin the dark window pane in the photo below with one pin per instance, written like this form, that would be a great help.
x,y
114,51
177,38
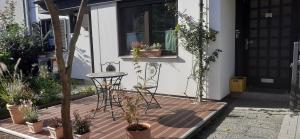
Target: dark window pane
x,y
275,2
163,25
133,26
148,22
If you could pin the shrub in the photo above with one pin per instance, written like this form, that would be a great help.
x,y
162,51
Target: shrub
x,y
30,114
13,90
87,90
46,89
81,125
55,122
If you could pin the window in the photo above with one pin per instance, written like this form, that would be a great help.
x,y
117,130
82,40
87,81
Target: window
x,y
48,34
149,22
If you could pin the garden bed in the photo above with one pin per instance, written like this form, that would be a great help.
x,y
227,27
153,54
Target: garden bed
x,y
80,95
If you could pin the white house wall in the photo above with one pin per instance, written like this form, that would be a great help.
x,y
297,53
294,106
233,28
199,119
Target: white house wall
x,y
82,57
222,19
174,70
19,13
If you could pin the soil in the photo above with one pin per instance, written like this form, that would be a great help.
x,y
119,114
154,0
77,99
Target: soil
x,y
137,127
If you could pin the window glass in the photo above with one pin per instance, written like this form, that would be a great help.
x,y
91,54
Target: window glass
x,y
150,23
163,24
133,25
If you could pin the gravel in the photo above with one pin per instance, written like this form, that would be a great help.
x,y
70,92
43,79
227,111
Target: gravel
x,y
248,116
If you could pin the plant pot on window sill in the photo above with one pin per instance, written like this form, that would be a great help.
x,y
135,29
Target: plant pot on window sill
x,y
150,53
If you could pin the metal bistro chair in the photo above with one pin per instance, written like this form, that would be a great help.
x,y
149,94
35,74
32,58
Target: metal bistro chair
x,y
113,85
151,79
112,67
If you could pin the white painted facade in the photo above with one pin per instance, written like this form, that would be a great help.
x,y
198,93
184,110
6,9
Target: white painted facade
x,y
82,57
174,70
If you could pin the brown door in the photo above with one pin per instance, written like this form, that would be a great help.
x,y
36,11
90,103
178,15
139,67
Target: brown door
x,y
268,43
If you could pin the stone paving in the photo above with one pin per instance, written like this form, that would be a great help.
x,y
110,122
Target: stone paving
x,y
249,116
290,128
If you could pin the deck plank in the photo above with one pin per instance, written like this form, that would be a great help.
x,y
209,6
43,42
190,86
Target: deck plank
x,y
176,117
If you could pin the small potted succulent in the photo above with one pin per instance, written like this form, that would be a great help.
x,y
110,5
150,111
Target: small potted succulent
x,y
32,119
135,129
55,128
81,126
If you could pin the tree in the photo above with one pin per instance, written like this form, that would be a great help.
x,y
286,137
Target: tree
x,y
65,68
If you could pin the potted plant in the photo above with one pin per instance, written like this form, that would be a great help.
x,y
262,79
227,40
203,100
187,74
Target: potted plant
x,y
135,129
32,119
13,91
81,126
146,50
55,128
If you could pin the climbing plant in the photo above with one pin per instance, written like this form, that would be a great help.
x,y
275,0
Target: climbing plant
x,y
195,36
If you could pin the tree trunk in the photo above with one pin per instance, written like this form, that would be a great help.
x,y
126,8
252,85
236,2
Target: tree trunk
x,y
65,70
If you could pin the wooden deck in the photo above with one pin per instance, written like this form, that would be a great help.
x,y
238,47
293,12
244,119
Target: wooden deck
x,y
177,118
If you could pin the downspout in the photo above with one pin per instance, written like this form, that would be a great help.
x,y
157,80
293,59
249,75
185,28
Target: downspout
x,y
27,15
91,42
200,84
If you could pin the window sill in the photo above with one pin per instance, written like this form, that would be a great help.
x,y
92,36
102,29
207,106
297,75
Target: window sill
x,y
161,57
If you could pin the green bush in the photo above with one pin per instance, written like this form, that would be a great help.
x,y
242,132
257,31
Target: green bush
x,y
46,90
30,113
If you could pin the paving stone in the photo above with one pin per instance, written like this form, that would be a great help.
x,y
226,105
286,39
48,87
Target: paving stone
x,y
261,133
247,118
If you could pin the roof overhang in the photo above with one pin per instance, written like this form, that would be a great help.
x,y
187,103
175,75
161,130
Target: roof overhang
x,y
67,7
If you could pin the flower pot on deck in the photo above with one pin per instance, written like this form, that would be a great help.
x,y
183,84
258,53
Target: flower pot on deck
x,y
35,127
56,133
143,134
16,115
84,136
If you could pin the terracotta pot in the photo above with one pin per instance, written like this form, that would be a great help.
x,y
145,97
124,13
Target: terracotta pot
x,y
145,134
150,53
56,133
84,136
16,115
35,127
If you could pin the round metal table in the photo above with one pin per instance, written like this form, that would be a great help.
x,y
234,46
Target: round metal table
x,y
105,82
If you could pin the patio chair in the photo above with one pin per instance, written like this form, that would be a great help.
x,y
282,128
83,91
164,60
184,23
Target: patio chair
x,y
110,67
151,80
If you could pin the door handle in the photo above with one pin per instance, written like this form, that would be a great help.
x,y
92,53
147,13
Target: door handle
x,y
248,43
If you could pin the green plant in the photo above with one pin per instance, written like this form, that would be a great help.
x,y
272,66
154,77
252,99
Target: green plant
x,y
88,90
156,46
81,125
13,90
195,37
55,122
30,114
46,90
131,114
17,42
7,16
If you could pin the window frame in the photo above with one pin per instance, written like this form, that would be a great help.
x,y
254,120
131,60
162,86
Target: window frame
x,y
147,24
